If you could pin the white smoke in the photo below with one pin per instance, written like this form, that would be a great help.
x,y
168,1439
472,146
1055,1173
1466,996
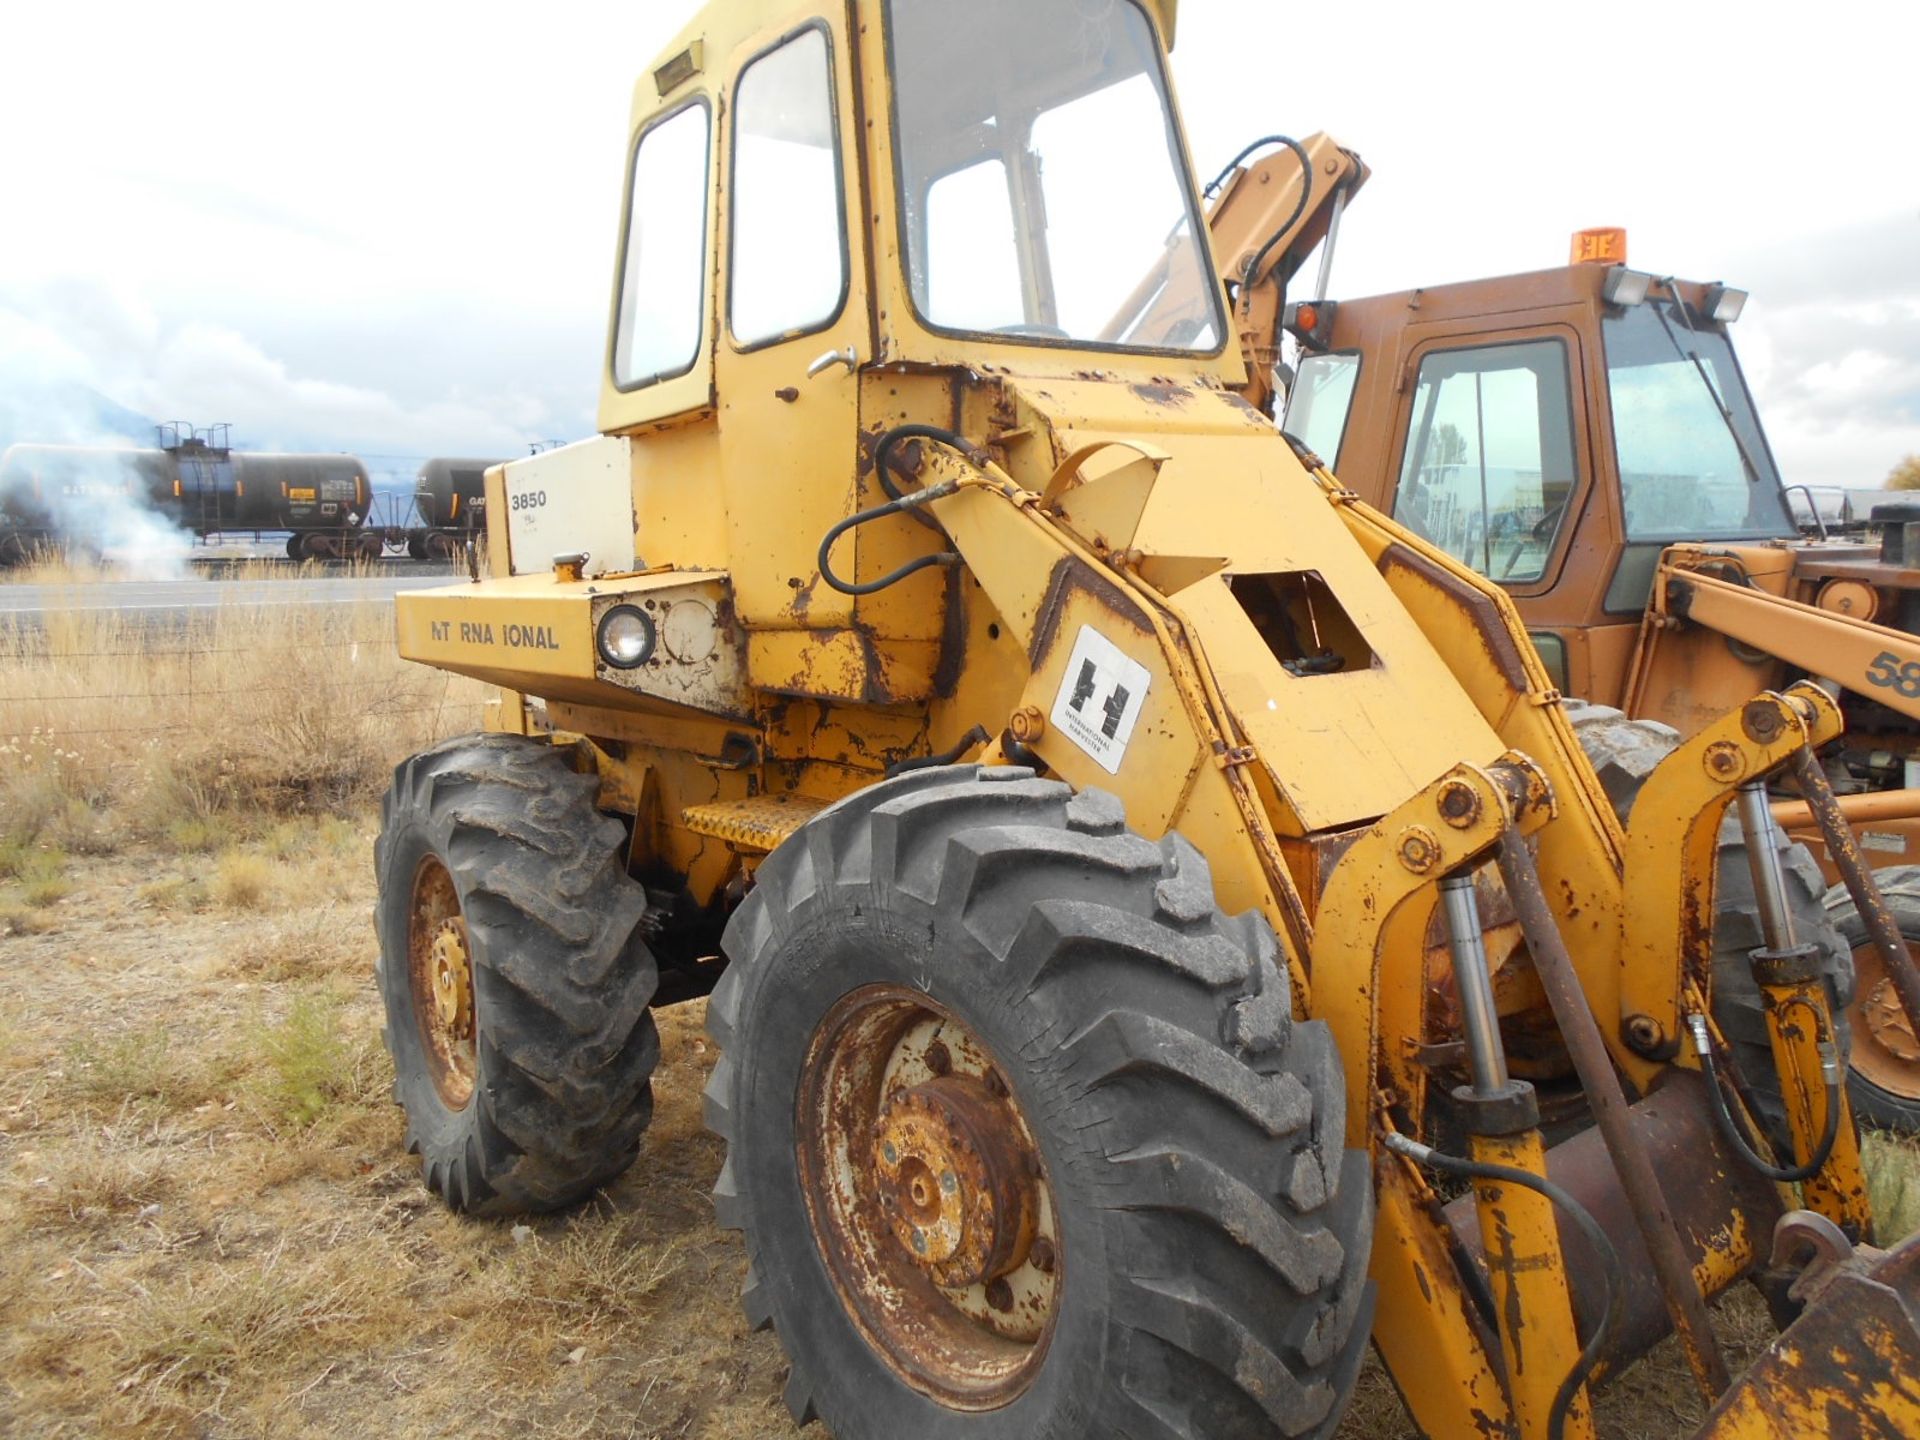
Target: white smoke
x,y
93,502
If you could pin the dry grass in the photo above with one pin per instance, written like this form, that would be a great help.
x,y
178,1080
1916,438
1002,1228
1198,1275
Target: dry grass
x,y
208,1226
1893,1182
114,729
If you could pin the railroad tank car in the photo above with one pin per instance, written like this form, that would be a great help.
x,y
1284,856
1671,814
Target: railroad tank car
x,y
450,499
69,493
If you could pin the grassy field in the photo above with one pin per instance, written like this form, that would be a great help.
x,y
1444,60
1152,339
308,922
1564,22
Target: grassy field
x,y
207,1226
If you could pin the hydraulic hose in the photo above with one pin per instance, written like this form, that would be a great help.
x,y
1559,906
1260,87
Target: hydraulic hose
x,y
906,504
1610,1269
1299,209
1232,165
976,736
1731,1133
883,456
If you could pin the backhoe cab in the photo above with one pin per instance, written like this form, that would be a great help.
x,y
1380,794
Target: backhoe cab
x,y
1126,869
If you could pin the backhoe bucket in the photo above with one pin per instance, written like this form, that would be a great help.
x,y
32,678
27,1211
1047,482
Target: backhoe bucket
x,y
1848,1367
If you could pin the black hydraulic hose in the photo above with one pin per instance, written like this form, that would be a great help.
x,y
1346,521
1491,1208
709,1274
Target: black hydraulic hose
x,y
1232,165
906,504
1730,1132
1610,1269
883,452
900,502
976,736
1299,209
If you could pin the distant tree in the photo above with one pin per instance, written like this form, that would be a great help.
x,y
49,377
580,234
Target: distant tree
x,y
1450,446
1905,475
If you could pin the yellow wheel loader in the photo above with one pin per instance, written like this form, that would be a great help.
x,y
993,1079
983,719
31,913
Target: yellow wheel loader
x,y
1159,924
1584,437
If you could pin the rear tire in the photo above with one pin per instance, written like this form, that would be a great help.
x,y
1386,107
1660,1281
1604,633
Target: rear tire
x,y
1885,1077
504,893
1623,753
1187,1134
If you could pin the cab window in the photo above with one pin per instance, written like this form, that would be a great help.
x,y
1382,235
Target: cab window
x,y
789,253
1054,116
1488,471
1318,402
663,291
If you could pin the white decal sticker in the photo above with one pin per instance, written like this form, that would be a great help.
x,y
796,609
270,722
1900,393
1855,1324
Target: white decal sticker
x,y
1100,698
1888,842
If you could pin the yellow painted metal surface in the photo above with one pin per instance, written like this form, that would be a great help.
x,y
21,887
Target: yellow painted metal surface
x,y
1670,869
757,822
1528,1279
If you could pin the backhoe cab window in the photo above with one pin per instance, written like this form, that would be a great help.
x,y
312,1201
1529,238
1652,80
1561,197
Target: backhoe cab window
x,y
663,291
1488,472
1318,402
1045,196
1684,465
789,256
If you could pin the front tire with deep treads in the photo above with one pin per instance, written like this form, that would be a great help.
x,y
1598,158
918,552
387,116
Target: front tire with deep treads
x,y
533,1087
1207,1231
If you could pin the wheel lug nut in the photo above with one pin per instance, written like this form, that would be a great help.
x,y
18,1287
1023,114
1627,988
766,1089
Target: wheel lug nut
x,y
1042,1256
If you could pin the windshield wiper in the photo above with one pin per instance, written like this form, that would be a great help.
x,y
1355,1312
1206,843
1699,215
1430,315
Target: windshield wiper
x,y
1713,391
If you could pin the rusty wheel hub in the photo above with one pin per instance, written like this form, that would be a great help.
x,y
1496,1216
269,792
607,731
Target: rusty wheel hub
x,y
929,1198
955,1181
452,979
440,973
1888,1023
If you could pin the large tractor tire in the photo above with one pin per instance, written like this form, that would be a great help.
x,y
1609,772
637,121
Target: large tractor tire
x,y
515,978
1885,1079
1624,752
1021,1133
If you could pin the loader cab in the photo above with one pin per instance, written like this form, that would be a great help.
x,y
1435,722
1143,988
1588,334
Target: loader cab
x,y
827,202
901,181
1555,431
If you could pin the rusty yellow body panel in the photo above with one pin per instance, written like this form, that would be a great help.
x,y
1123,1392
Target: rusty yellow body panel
x,y
1528,1280
537,632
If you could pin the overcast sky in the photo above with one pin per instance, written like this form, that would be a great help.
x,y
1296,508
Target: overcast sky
x,y
389,228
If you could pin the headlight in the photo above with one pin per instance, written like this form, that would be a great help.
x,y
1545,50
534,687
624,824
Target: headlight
x,y
1625,287
1723,304
625,637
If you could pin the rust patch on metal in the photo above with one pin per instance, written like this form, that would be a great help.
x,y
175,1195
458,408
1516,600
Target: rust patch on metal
x,y
1164,393
1068,576
1485,613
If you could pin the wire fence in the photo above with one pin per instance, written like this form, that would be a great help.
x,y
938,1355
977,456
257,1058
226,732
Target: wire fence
x,y
144,689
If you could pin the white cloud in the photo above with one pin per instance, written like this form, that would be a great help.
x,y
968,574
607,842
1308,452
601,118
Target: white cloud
x,y
394,227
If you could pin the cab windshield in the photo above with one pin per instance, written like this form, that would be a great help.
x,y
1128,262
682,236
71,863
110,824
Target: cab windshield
x,y
1687,471
1044,193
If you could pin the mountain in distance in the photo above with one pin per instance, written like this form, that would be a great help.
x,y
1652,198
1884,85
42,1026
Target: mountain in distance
x,y
67,413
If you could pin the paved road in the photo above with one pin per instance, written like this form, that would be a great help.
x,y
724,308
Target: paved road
x,y
176,599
